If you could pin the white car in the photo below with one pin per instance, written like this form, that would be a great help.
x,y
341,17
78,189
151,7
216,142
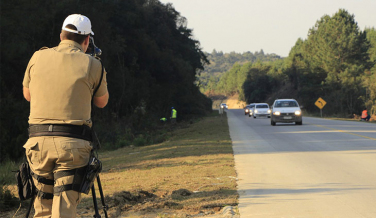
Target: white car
x,y
286,111
224,106
261,110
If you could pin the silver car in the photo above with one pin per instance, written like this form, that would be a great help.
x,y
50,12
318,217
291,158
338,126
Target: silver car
x,y
261,110
286,111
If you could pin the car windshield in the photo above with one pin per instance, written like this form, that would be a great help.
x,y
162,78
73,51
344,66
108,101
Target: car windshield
x,y
262,106
286,104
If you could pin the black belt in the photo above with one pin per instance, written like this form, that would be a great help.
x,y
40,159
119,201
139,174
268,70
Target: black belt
x,y
65,130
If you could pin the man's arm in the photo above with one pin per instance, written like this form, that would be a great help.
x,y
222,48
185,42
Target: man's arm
x,y
101,101
26,93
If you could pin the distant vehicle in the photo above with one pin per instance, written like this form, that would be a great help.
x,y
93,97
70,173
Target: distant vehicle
x,y
251,106
224,105
286,111
247,109
261,110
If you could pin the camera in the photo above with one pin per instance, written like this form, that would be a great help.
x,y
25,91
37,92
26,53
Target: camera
x,y
91,173
92,49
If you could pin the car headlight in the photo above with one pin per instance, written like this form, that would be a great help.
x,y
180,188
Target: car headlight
x,y
246,110
256,111
298,113
277,113
269,111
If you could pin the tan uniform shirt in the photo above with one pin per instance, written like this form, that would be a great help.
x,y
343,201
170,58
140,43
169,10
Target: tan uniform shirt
x,y
61,81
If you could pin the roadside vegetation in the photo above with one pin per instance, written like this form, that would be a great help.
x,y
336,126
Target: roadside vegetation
x,y
336,62
149,54
220,63
191,173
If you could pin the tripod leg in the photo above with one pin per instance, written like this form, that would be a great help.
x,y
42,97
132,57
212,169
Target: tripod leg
x,y
105,207
96,215
30,206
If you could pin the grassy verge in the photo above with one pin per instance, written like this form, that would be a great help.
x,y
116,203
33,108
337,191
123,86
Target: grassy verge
x,y
191,173
8,201
339,117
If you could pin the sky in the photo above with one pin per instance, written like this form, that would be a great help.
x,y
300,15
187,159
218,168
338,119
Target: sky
x,y
271,25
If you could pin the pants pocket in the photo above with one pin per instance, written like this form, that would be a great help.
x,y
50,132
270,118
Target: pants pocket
x,y
74,152
32,151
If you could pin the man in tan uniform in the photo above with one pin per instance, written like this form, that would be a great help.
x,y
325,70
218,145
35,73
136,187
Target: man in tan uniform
x,y
59,83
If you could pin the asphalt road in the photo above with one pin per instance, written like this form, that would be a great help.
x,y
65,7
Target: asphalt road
x,y
324,168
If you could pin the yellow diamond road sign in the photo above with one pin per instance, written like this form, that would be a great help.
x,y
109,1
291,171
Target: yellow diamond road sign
x,y
320,103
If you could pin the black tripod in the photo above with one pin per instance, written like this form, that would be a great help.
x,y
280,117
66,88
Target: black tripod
x,y
104,206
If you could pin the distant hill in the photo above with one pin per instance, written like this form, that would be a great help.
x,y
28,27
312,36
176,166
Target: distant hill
x,y
221,62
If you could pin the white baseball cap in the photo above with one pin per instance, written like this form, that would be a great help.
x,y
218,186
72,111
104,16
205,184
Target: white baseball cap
x,y
81,22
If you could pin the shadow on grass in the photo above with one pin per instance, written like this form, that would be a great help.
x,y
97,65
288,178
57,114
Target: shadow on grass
x,y
206,137
209,199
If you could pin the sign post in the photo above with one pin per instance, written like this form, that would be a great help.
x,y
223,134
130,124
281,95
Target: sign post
x,y
320,103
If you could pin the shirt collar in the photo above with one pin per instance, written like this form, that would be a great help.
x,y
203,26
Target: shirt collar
x,y
70,43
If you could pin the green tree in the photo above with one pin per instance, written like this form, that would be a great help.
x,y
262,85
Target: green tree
x,y
336,46
258,84
369,79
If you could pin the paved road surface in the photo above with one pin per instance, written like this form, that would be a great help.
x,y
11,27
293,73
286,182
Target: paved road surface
x,y
324,168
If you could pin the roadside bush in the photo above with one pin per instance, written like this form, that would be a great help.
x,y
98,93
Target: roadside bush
x,y
139,141
109,146
7,200
159,138
123,143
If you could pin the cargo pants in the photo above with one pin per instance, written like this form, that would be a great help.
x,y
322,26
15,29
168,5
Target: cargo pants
x,y
48,155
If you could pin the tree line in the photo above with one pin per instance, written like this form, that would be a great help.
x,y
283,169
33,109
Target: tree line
x,y
149,53
220,63
335,62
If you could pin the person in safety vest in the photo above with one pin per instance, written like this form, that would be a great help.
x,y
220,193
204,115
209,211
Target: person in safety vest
x,y
60,83
365,115
163,120
173,115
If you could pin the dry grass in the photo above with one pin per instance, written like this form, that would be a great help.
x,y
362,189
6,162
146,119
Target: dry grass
x,y
192,172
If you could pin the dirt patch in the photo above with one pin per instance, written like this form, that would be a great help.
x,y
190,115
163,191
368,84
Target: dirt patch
x,y
231,101
146,204
127,198
181,192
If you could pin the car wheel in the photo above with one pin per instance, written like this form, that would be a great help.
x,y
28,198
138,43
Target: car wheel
x,y
268,116
299,123
272,122
254,117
